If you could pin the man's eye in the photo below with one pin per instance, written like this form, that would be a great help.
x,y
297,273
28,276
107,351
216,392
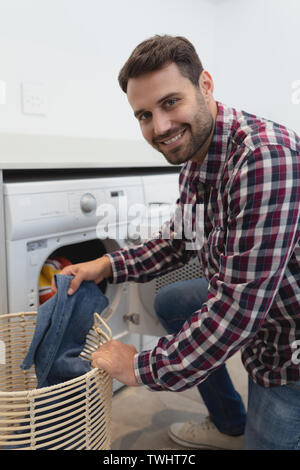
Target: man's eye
x,y
171,102
144,116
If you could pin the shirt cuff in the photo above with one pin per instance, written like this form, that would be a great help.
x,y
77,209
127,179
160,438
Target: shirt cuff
x,y
119,269
143,371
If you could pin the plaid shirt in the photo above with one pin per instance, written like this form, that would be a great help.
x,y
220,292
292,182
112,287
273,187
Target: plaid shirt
x,y
249,184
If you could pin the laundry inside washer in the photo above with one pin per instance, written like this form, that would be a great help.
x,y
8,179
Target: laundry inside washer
x,y
82,252
52,266
65,256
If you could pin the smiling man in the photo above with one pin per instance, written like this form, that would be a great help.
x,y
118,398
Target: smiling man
x,y
245,172
178,123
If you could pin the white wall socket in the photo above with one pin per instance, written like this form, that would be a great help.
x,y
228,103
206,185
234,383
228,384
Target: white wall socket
x,y
34,98
2,92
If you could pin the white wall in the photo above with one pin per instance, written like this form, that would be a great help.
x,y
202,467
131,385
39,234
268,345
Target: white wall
x,y
257,57
76,48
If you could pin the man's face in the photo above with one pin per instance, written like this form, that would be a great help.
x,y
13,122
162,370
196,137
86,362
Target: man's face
x,y
172,112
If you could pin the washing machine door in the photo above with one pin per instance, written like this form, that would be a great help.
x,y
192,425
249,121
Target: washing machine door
x,y
161,192
141,316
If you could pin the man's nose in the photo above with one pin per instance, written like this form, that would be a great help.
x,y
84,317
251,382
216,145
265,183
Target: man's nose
x,y
161,124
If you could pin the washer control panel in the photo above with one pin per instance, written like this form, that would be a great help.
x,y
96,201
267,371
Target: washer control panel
x,y
57,206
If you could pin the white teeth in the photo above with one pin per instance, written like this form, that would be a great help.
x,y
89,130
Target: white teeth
x,y
173,139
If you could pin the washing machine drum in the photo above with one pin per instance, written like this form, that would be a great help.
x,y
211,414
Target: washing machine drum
x,y
64,256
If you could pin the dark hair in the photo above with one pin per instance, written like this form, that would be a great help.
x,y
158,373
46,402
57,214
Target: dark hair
x,y
153,53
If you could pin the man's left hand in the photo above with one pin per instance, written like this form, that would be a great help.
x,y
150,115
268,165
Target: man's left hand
x,y
116,358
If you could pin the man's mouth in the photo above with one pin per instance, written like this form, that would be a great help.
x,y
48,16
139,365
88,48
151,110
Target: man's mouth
x,y
173,139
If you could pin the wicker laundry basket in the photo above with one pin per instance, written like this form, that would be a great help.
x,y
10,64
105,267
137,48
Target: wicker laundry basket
x,y
71,415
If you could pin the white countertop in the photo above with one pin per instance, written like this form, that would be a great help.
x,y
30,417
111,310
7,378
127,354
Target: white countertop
x,y
20,151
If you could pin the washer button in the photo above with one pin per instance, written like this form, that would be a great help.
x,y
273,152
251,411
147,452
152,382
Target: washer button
x,y
88,203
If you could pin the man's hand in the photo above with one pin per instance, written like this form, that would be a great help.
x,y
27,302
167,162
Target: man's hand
x,y
95,270
116,358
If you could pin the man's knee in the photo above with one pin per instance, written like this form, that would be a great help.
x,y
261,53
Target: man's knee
x,y
162,299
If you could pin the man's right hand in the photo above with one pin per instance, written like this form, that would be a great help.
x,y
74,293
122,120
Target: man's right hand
x,y
95,270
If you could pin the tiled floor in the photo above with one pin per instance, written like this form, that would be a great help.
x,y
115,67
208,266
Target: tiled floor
x,y
140,418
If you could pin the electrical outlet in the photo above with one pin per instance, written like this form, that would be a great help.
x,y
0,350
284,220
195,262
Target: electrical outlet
x,y
34,98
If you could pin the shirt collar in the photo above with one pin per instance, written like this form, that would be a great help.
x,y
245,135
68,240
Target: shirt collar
x,y
210,171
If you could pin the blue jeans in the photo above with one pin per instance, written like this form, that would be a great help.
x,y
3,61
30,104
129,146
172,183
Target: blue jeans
x,y
63,323
273,421
174,304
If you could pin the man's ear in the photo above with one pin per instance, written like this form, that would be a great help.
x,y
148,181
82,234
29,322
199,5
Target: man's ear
x,y
206,84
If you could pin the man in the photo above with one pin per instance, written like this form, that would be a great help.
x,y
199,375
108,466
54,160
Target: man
x,y
245,170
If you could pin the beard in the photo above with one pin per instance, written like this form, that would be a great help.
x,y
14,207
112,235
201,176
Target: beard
x,y
196,134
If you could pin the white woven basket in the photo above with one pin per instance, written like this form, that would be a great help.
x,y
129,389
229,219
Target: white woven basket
x,y
71,415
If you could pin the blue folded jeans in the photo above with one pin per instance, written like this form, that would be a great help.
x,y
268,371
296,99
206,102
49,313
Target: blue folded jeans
x,y
63,323
174,304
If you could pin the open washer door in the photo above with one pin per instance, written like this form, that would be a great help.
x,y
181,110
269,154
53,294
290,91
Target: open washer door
x,y
160,193
141,317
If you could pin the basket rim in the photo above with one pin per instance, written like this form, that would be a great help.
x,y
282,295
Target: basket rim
x,y
82,378
39,391
97,320
17,314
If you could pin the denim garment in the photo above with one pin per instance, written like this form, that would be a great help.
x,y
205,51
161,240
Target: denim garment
x,y
176,303
273,421
62,325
